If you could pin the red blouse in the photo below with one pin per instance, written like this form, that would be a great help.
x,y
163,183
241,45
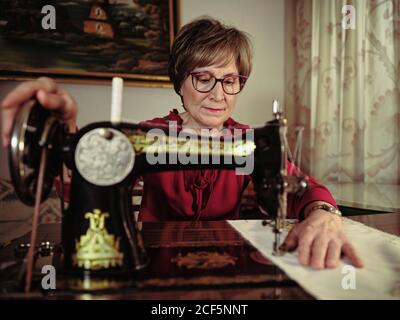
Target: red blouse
x,y
208,194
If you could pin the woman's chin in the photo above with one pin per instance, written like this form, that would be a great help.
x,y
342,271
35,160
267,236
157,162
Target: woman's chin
x,y
213,123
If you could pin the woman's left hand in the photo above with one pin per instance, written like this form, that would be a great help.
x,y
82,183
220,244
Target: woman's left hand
x,y
320,241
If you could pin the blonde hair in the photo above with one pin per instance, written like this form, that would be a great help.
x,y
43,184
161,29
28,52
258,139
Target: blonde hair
x,y
204,42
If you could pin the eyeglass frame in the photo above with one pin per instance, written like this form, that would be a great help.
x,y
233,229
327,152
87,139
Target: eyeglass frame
x,y
243,78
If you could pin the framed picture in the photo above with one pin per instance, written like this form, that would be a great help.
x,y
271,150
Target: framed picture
x,y
83,41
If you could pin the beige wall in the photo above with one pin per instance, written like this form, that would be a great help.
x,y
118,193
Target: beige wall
x,y
262,19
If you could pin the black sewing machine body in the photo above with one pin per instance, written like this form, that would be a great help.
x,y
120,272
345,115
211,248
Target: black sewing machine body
x,y
99,234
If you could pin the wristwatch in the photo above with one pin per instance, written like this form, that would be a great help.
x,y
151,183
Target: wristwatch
x,y
327,207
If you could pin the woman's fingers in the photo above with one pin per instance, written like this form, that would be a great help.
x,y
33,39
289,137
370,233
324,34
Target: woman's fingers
x,y
16,98
320,246
318,252
7,120
71,108
20,94
61,102
291,240
27,90
10,105
49,96
333,254
50,100
304,248
349,251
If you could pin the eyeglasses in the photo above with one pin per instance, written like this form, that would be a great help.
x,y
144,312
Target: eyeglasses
x,y
204,82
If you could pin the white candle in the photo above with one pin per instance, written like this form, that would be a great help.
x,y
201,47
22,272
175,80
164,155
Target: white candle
x,y
275,107
116,99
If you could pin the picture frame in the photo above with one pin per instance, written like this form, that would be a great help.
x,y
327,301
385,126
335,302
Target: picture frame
x,y
83,41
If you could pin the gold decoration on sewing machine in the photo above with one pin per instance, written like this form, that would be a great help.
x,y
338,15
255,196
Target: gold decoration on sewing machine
x,y
204,260
159,143
97,249
138,140
286,225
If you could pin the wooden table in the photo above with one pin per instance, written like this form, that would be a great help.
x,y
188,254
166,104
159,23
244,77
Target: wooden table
x,y
189,260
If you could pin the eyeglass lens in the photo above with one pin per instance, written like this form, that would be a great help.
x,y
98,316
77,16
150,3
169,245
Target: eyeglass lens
x,y
205,82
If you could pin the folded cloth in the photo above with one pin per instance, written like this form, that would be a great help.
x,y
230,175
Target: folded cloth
x,y
378,279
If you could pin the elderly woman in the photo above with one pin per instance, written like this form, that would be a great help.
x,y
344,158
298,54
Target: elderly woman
x,y
209,66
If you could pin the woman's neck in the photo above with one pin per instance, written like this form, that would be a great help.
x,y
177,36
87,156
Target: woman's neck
x,y
189,123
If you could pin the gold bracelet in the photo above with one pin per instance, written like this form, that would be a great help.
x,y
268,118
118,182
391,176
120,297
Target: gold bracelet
x,y
327,207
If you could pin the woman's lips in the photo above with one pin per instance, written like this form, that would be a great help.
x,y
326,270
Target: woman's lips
x,y
215,110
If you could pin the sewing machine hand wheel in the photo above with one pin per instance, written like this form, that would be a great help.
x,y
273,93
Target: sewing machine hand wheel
x,y
34,128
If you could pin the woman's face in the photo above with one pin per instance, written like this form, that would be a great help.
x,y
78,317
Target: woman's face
x,y
211,109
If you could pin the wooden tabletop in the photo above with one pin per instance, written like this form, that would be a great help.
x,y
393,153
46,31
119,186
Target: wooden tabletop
x,y
387,222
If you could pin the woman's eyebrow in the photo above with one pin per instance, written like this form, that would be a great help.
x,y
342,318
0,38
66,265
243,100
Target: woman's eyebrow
x,y
231,74
212,73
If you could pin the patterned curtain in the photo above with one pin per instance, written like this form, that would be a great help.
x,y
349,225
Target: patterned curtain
x,y
343,87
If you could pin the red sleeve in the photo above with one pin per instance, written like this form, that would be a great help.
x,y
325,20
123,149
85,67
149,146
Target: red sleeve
x,y
315,192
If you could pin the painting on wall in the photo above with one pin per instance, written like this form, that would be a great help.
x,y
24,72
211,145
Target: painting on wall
x,y
88,41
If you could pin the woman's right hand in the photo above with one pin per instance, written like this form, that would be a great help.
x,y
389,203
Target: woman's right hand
x,y
49,95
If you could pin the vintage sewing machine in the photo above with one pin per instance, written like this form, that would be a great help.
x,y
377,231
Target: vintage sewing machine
x,y
99,236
